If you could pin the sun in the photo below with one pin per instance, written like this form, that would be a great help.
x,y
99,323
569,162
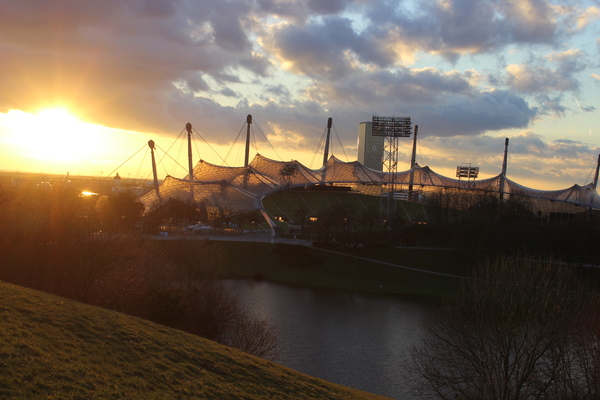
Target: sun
x,y
55,134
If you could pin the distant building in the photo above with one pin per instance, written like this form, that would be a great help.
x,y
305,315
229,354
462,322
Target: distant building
x,y
370,148
117,184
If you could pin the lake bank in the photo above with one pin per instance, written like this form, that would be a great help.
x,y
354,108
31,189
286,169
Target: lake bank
x,y
414,272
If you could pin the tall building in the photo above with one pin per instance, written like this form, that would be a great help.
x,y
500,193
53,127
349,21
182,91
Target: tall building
x,y
370,148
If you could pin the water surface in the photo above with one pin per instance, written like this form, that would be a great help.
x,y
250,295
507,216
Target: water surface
x,y
354,339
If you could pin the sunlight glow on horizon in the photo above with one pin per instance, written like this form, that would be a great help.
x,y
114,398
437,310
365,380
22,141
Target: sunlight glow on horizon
x,y
52,134
55,141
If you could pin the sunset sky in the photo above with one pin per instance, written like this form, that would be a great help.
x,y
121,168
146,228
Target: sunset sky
x,y
85,84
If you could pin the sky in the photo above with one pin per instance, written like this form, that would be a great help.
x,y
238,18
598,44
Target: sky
x,y
85,84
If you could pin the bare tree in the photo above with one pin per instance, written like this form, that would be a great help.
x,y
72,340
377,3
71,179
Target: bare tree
x,y
520,329
179,284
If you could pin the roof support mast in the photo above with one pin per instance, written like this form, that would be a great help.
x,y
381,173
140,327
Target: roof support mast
x,y
248,123
154,173
594,186
188,127
413,161
326,153
247,153
595,182
503,175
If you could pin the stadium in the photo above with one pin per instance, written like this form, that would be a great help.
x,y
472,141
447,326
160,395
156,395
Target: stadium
x,y
282,190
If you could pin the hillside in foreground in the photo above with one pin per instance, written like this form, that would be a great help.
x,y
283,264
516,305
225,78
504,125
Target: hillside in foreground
x,y
54,348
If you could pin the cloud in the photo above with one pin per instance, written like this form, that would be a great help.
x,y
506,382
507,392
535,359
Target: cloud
x,y
452,28
538,78
326,48
482,112
152,65
443,103
532,160
116,63
551,105
327,7
586,17
229,93
531,21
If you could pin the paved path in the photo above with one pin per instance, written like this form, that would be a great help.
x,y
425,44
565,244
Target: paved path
x,y
246,237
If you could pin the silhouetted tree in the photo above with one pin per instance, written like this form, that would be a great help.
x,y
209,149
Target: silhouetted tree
x,y
520,329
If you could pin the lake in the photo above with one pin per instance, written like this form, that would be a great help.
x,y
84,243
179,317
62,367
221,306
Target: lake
x,y
354,339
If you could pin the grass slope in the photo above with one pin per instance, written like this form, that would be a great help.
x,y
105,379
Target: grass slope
x,y
53,348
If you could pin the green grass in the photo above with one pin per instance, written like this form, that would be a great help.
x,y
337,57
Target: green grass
x,y
53,348
299,265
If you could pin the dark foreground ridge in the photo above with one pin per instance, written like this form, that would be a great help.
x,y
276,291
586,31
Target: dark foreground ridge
x,y
51,347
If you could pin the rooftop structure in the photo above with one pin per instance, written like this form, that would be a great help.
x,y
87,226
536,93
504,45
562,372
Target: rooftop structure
x,y
229,190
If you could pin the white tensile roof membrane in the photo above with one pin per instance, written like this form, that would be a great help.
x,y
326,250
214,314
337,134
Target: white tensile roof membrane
x,y
237,189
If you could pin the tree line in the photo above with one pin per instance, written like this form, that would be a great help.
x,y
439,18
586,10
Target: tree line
x,y
83,248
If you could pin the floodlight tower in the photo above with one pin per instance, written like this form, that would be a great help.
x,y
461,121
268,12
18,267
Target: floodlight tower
x,y
467,172
287,172
391,128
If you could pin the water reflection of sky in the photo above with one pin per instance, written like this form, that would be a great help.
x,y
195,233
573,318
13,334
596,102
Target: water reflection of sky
x,y
353,339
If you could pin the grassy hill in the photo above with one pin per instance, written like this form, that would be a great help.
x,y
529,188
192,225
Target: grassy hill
x,y
53,348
